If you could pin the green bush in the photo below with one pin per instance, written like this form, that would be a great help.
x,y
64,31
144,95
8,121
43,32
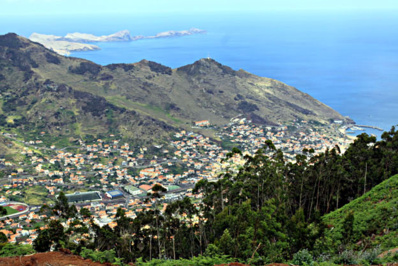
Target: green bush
x,y
346,257
303,257
10,250
101,256
370,256
194,261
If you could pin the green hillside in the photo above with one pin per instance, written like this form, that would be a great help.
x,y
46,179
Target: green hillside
x,y
375,219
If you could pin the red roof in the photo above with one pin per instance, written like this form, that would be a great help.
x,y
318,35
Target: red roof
x,y
146,187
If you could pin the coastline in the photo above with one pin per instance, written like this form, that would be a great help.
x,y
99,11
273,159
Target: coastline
x,y
78,42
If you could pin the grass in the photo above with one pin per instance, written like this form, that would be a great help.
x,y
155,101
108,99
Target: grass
x,y
36,195
13,153
375,213
10,210
146,109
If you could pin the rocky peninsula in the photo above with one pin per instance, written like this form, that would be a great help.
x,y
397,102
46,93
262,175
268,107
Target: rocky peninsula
x,y
73,42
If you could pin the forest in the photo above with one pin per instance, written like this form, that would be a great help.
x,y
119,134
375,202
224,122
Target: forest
x,y
266,211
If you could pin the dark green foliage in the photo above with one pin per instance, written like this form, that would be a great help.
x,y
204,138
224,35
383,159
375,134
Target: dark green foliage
x,y
62,208
3,238
125,67
303,257
300,109
3,120
52,58
11,40
54,235
85,213
247,107
105,77
86,67
101,256
197,261
11,250
95,105
158,68
10,104
346,257
348,227
226,244
3,211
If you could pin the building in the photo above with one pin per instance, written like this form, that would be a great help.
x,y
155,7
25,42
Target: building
x,y
172,187
114,194
172,197
84,196
133,190
146,188
203,123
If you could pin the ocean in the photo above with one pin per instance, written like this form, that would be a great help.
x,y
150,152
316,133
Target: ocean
x,y
347,60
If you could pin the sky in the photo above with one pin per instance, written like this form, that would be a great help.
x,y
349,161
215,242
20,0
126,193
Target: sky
x,y
77,7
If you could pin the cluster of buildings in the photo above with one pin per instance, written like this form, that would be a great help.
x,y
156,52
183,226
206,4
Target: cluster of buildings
x,y
123,176
292,139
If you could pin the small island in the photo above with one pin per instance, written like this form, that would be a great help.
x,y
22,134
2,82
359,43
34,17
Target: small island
x,y
74,42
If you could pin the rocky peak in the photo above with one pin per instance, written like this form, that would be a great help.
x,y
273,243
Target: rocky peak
x,y
12,40
206,66
155,67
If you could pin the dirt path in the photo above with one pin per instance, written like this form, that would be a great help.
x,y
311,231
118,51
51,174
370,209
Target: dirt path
x,y
48,258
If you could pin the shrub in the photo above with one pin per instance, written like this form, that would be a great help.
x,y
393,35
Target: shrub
x,y
101,256
303,257
346,257
370,256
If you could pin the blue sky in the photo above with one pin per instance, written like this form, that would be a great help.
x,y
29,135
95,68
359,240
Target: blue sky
x,y
69,7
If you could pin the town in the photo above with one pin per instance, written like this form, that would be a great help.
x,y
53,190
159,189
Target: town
x,y
108,174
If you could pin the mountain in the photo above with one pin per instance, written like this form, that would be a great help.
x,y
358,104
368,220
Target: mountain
x,y
42,91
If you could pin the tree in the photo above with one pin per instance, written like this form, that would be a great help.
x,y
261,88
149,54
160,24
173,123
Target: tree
x,y
85,213
54,235
61,206
3,240
226,244
3,211
156,193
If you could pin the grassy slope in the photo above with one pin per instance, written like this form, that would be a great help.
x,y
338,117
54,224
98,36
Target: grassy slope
x,y
37,195
11,150
376,215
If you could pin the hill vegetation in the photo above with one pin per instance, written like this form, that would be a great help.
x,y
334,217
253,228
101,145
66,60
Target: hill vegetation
x,y
371,220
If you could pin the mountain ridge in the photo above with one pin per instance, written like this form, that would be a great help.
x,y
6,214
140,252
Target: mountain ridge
x,y
145,91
